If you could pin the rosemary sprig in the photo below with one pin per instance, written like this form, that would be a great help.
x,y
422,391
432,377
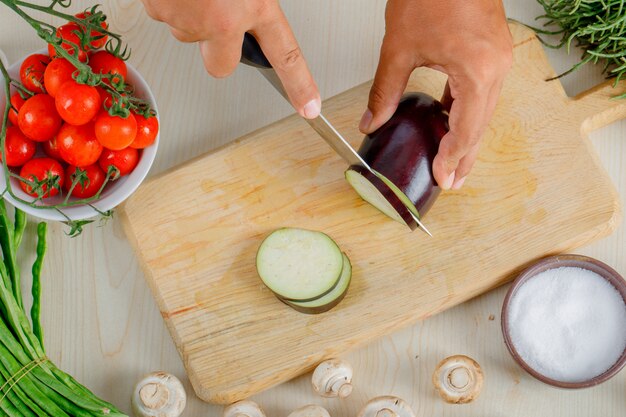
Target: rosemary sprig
x,y
598,27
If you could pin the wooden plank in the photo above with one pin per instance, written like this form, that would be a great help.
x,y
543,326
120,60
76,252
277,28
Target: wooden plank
x,y
196,229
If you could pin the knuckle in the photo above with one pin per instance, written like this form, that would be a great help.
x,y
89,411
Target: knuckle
x,y
290,58
377,96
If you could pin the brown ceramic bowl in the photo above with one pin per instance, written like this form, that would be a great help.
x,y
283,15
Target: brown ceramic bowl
x,y
577,261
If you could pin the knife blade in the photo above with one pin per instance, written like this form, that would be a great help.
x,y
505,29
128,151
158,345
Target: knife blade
x,y
252,55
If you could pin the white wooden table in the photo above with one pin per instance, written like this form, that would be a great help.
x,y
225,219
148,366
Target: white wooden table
x,y
102,324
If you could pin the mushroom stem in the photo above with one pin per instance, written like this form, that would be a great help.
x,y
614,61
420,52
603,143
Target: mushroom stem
x,y
333,378
458,379
310,411
159,395
385,412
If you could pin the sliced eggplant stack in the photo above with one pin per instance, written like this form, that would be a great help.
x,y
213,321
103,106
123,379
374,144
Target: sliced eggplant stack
x,y
304,269
330,300
401,152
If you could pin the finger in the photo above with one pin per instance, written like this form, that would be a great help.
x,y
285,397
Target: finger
x,y
467,122
282,51
392,76
446,98
221,55
184,36
465,166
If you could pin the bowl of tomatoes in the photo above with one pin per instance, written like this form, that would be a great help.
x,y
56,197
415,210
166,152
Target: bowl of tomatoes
x,y
66,155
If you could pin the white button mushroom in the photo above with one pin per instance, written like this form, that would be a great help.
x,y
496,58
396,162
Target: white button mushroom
x,y
159,394
310,411
243,409
458,379
332,378
386,406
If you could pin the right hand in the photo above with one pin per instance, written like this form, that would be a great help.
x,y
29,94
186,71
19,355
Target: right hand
x,y
219,26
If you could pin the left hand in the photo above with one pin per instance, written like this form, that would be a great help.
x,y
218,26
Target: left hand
x,y
470,42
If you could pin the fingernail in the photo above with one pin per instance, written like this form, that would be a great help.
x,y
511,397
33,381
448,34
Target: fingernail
x,y
459,183
312,109
366,121
448,182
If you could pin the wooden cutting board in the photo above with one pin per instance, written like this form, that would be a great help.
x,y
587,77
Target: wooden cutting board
x,y
537,189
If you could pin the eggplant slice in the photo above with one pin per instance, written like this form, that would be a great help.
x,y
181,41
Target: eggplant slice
x,y
330,300
299,265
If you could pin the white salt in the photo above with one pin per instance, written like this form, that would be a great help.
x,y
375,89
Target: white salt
x,y
568,324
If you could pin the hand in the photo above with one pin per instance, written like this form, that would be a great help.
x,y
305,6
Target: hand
x,y
470,42
219,27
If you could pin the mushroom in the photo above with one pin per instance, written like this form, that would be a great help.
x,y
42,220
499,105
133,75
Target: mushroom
x,y
332,378
310,411
458,379
243,409
159,394
386,406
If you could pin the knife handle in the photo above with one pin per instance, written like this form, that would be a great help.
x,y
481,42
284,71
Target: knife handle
x,y
252,54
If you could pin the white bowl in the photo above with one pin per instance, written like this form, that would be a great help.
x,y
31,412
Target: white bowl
x,y
115,192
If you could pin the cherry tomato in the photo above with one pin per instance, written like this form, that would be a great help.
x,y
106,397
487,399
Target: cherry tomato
x,y
16,105
58,72
40,169
103,62
38,118
76,103
17,147
99,39
78,145
107,98
69,34
147,130
115,132
125,160
51,148
91,185
32,70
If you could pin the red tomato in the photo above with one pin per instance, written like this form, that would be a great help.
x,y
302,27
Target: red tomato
x,y
16,105
58,72
69,34
107,98
99,39
147,130
76,103
125,160
91,185
38,118
40,169
17,147
115,132
32,70
78,145
51,148
103,62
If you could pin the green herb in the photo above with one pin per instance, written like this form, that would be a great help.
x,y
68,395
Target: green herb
x,y
30,384
597,26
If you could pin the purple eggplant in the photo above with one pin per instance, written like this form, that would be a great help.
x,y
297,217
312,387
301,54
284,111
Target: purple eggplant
x,y
402,151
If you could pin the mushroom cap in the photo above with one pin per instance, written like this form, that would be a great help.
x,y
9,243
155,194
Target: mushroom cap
x,y
458,379
310,411
332,378
386,406
159,394
243,409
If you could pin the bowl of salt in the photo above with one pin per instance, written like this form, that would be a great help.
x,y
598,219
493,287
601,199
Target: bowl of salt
x,y
564,321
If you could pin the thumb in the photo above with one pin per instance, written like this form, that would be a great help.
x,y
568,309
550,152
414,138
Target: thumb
x,y
392,76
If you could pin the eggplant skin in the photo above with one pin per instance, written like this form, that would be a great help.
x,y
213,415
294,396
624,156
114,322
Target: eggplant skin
x,y
403,149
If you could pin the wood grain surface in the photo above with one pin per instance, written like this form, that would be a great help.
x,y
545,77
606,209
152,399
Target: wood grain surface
x,y
102,323
196,229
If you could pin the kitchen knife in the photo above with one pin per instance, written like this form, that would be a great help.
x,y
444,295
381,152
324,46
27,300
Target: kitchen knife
x,y
252,55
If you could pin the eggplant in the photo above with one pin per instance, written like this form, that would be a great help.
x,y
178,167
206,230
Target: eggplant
x,y
401,152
